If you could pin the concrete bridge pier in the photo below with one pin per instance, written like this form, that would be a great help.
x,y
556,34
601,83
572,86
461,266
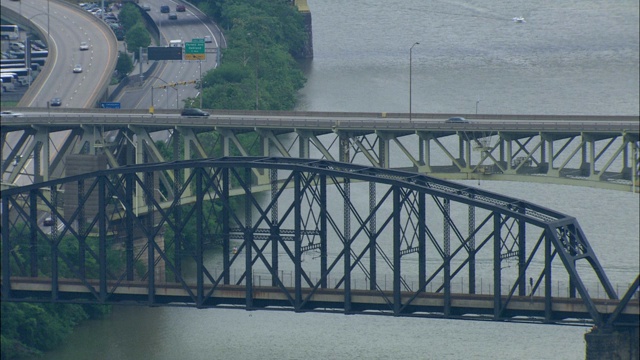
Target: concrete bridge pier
x,y
612,344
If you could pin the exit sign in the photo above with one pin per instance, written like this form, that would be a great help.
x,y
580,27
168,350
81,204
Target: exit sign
x,y
194,50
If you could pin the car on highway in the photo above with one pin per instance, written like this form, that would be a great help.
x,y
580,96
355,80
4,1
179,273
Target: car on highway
x,y
8,113
56,101
164,9
208,39
173,16
180,8
84,46
192,112
77,68
456,120
48,222
146,7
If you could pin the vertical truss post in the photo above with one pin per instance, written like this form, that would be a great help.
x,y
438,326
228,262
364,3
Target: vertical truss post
x,y
571,238
508,148
373,238
422,241
248,240
177,209
547,275
54,247
397,242
472,248
148,184
297,239
347,245
447,256
82,241
461,148
128,203
33,245
497,266
323,231
275,231
37,161
226,262
200,236
6,250
522,255
102,236
467,153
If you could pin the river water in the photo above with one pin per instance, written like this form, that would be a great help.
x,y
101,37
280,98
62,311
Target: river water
x,y
572,57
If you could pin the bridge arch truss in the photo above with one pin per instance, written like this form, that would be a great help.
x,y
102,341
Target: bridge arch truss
x,y
318,236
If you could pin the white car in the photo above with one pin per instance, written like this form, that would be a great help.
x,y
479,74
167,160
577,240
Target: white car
x,y
77,68
84,46
207,39
10,114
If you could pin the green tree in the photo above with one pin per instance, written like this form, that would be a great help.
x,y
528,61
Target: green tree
x,y
129,16
137,37
124,65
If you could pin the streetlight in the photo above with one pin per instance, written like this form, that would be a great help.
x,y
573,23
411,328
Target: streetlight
x,y
167,85
477,102
410,61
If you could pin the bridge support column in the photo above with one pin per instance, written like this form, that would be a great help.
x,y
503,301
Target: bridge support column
x,y
610,344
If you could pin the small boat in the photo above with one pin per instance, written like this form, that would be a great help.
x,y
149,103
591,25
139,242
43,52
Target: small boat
x,y
518,19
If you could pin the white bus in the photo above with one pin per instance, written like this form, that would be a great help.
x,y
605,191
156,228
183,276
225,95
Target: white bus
x,y
7,82
24,74
10,32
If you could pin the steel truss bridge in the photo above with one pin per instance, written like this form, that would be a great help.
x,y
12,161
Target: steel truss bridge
x,y
594,151
318,235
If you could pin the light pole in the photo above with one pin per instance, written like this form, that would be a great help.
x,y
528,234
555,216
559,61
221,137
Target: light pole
x,y
477,102
410,62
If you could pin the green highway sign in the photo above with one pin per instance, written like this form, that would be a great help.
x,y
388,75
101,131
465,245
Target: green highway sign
x,y
194,50
197,40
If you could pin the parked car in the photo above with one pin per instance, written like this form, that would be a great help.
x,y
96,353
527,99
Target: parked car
x,y
56,101
77,68
16,46
181,8
84,46
457,120
194,112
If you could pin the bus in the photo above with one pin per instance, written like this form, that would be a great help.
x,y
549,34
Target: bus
x,y
10,32
35,67
34,54
23,74
20,62
8,82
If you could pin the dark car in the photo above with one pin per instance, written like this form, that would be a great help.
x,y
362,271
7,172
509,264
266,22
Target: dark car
x,y
164,9
180,8
457,120
173,16
55,102
194,112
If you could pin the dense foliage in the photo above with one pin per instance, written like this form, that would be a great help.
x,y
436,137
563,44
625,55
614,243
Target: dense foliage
x,y
258,70
30,328
136,34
